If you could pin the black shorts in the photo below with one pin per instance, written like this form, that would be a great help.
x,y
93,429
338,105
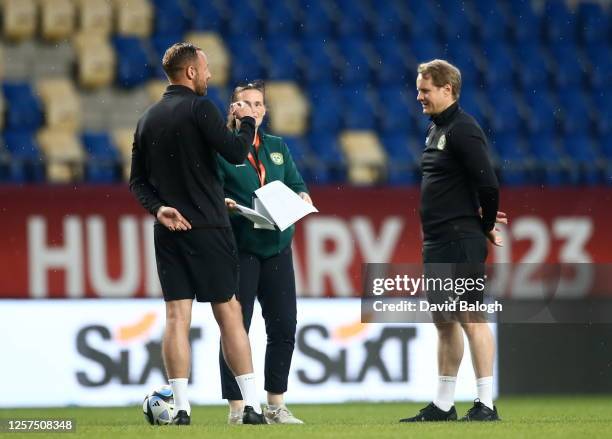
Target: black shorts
x,y
459,263
199,263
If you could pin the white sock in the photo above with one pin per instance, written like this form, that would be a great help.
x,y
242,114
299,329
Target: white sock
x,y
445,398
248,389
485,391
181,400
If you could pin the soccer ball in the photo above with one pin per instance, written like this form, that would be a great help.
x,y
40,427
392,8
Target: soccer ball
x,y
158,406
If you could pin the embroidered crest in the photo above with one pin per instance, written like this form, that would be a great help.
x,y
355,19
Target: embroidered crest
x,y
441,143
277,158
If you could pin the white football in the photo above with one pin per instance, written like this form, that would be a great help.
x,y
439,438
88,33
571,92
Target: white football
x,y
158,406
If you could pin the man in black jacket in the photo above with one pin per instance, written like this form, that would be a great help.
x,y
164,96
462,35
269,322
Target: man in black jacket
x,y
459,208
174,176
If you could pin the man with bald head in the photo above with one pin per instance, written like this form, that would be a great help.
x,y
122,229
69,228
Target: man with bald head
x,y
174,177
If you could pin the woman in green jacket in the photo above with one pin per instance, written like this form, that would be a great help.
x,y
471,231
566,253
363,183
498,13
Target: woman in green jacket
x,y
266,264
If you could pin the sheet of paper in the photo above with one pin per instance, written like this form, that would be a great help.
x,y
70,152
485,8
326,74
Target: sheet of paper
x,y
260,209
255,216
284,206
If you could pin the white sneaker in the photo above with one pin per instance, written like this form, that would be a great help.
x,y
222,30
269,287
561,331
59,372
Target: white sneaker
x,y
234,419
281,415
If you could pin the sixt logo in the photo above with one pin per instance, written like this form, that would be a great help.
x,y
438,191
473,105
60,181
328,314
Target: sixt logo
x,y
120,366
315,342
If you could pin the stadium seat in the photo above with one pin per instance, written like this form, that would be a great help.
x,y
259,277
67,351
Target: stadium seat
x,y
207,16
424,20
392,64
19,19
288,108
356,66
282,59
155,89
541,118
585,157
123,138
248,59
26,163
245,19
281,19
320,61
316,20
170,17
571,66
390,20
526,24
24,108
460,20
133,65
600,60
2,109
326,114
217,55
57,19
529,54
61,103
355,21
396,105
574,111
64,155
134,17
499,70
492,21
95,16
593,22
507,115
96,60
560,22
221,98
548,159
360,108
365,156
329,164
103,158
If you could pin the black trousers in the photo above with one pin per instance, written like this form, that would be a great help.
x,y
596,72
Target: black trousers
x,y
272,281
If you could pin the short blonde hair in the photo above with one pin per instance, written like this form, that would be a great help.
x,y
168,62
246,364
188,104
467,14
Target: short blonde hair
x,y
441,73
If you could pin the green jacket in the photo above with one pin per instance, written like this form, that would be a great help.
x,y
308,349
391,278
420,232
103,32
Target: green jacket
x,y
240,183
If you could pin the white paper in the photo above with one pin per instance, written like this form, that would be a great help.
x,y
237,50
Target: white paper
x,y
260,209
284,206
256,217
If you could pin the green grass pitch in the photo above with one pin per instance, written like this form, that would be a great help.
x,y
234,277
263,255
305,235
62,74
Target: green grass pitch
x,y
525,417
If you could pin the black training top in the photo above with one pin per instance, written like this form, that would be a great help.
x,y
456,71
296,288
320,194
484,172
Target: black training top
x,y
174,156
458,178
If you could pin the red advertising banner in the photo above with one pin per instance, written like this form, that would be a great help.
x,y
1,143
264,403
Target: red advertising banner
x,y
96,241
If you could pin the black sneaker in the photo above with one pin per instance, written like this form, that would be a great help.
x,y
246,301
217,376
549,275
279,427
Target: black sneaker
x,y
181,418
250,416
432,413
480,412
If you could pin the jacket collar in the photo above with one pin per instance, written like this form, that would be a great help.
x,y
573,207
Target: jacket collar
x,y
176,89
446,116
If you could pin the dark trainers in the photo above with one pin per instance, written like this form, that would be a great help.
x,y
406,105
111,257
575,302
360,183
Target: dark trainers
x,y
250,416
432,413
181,418
480,412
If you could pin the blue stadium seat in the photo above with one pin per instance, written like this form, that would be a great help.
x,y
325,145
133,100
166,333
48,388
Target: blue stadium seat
x,y
359,108
541,109
425,19
355,69
583,154
473,102
326,114
526,24
327,151
26,161
499,71
600,59
548,159
505,116
399,148
316,20
425,49
513,159
24,110
462,54
103,161
248,59
282,59
593,22
300,152
245,19
570,69
574,111
220,98
133,64
396,107
391,64
319,65
493,23
460,20
170,17
355,18
391,19
529,55
603,108
281,19
561,23
207,15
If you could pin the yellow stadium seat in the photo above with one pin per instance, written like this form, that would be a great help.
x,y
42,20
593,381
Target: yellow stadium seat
x,y
365,156
288,108
61,102
1,61
96,60
64,155
95,16
216,53
134,17
57,19
124,139
19,18
155,89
